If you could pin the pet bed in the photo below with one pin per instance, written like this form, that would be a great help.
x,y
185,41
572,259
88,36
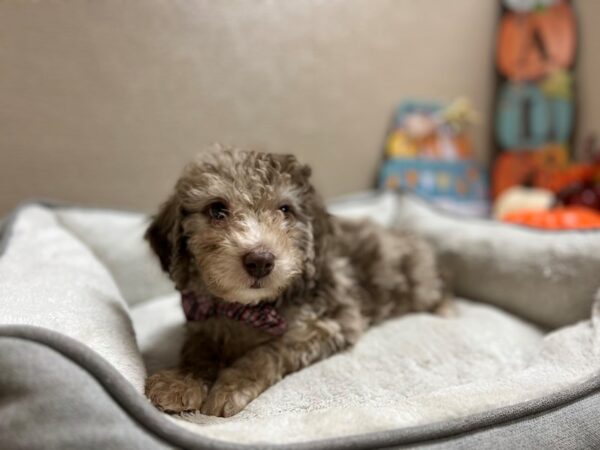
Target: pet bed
x,y
85,314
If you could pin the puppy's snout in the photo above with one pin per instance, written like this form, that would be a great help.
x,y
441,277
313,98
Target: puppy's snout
x,y
259,264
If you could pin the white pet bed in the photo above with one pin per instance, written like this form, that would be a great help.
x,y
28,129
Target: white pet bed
x,y
521,354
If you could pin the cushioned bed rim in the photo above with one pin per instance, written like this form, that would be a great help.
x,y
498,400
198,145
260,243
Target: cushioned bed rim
x,y
140,409
154,422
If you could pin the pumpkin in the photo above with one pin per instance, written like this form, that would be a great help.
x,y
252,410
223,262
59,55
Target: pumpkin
x,y
531,45
545,168
563,218
520,198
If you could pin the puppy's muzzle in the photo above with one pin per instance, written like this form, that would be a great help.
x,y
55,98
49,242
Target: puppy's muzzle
x,y
259,264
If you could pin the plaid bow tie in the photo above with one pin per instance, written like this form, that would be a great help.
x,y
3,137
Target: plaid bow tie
x,y
262,316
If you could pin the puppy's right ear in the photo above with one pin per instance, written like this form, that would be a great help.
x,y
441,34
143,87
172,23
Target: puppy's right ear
x,y
166,239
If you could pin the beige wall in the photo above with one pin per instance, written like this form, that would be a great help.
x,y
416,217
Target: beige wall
x,y
588,69
103,101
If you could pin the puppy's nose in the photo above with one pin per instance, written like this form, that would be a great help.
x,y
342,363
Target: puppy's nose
x,y
259,264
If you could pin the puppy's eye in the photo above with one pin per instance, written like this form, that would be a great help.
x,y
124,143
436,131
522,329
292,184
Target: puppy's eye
x,y
286,209
217,211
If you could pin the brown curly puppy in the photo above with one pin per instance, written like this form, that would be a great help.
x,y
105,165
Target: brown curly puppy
x,y
271,281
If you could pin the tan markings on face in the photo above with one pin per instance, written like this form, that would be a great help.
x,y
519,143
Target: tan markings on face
x,y
218,249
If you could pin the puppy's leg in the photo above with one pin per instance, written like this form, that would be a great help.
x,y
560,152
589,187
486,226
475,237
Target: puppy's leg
x,y
429,292
308,340
186,387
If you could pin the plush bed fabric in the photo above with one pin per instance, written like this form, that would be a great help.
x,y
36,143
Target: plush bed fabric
x,y
86,274
105,411
549,278
52,279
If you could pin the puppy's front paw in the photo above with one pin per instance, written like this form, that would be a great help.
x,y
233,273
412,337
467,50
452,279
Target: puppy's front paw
x,y
229,395
174,392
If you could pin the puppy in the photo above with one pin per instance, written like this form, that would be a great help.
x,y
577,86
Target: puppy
x,y
270,282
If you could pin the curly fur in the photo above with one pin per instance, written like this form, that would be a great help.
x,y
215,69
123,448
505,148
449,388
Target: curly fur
x,y
332,279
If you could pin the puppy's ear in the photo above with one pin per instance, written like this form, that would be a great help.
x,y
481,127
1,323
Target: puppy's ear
x,y
322,227
166,238
288,163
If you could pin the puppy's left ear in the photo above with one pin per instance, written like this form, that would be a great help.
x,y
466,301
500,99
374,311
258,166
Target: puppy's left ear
x,y
314,207
288,163
166,238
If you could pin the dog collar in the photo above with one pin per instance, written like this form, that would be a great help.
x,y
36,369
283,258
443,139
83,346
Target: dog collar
x,y
263,316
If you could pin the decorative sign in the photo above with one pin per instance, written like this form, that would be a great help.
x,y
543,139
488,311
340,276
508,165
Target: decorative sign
x,y
428,151
535,57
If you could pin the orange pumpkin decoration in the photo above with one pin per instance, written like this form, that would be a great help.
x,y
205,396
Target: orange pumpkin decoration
x,y
542,168
564,218
556,179
531,45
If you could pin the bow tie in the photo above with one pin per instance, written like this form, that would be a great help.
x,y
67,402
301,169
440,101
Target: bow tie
x,y
263,316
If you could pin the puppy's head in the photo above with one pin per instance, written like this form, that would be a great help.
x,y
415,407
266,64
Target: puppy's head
x,y
241,225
